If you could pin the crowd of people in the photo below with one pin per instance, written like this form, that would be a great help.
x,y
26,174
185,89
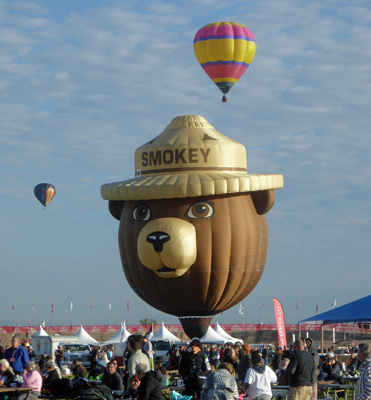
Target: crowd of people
x,y
208,372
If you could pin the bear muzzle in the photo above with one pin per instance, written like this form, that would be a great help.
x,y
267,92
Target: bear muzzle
x,y
167,246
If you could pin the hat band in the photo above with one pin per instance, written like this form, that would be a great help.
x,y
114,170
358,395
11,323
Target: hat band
x,y
170,170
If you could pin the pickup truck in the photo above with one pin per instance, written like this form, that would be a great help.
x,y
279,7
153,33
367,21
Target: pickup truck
x,y
76,351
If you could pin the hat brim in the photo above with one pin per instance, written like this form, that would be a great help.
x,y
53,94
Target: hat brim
x,y
188,184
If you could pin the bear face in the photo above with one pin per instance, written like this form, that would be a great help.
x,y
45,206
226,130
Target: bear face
x,y
194,256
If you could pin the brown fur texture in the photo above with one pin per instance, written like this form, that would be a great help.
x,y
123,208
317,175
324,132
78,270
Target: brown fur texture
x,y
231,253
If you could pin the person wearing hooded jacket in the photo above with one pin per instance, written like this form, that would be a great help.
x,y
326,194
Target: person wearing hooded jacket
x,y
259,378
150,383
315,355
193,367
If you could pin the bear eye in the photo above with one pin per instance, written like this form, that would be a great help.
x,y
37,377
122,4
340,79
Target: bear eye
x,y
141,213
201,209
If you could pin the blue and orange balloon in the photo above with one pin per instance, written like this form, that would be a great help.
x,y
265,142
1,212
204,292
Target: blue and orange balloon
x,y
224,50
44,192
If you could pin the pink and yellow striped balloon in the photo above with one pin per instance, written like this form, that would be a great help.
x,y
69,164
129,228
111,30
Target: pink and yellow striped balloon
x,y
224,50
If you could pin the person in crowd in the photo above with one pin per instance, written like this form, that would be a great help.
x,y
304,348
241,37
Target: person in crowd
x,y
110,353
132,392
283,373
162,373
259,378
193,367
332,367
364,383
102,362
52,375
59,356
230,356
174,356
221,384
148,350
2,352
301,371
353,364
277,359
31,353
17,356
42,362
321,374
137,356
6,373
31,380
312,350
265,355
78,370
150,383
93,370
245,362
111,377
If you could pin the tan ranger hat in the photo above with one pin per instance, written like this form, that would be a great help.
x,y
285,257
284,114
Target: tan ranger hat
x,y
189,158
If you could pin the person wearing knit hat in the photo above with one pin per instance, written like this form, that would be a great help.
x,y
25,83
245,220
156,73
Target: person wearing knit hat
x,y
193,367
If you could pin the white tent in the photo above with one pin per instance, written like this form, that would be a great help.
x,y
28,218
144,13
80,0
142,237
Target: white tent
x,y
212,337
120,336
219,330
41,332
84,337
164,334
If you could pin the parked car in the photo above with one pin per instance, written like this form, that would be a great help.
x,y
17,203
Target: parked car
x,y
76,351
162,350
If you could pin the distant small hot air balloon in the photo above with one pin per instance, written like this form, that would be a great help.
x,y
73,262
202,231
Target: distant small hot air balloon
x,y
224,50
44,192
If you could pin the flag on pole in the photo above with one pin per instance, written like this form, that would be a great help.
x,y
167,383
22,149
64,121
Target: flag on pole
x,y
240,310
70,307
333,305
297,304
150,333
317,309
33,308
13,308
261,305
280,323
52,308
90,305
127,306
109,306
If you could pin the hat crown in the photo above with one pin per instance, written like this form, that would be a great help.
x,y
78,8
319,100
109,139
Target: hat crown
x,y
190,143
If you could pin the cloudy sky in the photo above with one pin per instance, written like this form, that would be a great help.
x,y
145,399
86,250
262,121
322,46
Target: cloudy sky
x,y
83,83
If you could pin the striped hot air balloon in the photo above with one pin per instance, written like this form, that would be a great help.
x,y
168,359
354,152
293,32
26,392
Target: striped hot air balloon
x,y
44,192
224,50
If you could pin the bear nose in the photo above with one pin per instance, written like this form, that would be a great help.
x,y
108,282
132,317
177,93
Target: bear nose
x,y
158,239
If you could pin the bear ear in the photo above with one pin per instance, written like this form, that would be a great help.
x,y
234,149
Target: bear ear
x,y
115,208
263,200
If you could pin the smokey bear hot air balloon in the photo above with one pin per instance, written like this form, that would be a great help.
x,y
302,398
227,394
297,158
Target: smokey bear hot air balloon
x,y
193,235
224,50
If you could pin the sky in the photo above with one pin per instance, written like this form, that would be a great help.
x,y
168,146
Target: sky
x,y
83,83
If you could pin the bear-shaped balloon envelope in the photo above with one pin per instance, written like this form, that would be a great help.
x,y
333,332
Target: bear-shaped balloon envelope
x,y
193,235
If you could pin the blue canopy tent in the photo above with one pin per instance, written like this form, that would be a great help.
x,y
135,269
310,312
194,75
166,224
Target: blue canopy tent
x,y
356,311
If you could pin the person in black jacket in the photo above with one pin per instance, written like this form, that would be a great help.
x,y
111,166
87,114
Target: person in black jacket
x,y
6,373
111,377
193,367
245,362
301,371
150,383
53,374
